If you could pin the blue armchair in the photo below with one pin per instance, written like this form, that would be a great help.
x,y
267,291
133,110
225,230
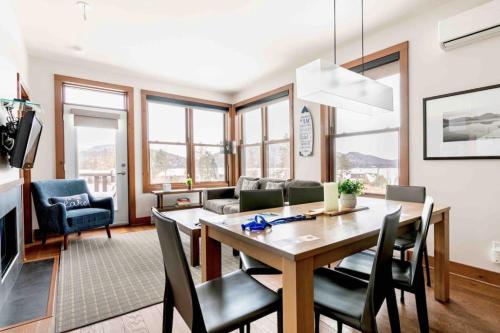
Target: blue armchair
x,y
55,218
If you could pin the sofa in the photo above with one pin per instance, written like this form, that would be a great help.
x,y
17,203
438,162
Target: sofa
x,y
225,200
58,218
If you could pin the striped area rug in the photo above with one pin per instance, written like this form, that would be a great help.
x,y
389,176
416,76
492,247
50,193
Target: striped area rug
x,y
101,278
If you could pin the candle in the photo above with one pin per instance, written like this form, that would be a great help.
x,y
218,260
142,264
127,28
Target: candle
x,y
331,200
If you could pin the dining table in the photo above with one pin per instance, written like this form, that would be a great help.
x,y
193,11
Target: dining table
x,y
298,248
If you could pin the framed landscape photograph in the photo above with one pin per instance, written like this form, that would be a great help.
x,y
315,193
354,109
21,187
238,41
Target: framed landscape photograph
x,y
463,125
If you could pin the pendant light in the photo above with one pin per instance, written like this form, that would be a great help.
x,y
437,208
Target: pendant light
x,y
325,82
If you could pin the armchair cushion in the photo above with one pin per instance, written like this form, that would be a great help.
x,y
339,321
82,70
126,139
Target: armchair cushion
x,y
86,218
72,201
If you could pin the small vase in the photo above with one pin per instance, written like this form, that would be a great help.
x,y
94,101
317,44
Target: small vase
x,y
348,200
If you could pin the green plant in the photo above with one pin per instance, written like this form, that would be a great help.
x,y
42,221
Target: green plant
x,y
189,181
350,186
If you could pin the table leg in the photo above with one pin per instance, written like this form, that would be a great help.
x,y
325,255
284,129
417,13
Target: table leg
x,y
210,256
195,248
442,259
298,296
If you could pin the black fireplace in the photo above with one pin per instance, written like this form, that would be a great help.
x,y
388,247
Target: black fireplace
x,y
8,240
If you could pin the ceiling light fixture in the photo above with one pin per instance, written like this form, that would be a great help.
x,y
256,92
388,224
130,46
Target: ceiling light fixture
x,y
327,83
84,6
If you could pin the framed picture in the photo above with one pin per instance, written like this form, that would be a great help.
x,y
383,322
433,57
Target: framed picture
x,y
463,125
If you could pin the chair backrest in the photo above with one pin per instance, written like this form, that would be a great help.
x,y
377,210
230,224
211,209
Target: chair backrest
x,y
179,284
301,195
418,249
381,274
45,189
260,199
405,193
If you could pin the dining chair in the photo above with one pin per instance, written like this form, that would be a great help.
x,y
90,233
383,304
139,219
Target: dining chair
x,y
220,305
407,276
255,200
302,195
407,241
356,302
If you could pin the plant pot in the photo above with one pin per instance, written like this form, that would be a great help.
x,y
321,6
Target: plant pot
x,y
348,200
190,187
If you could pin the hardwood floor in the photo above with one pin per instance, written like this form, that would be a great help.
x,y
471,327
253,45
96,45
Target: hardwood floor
x,y
474,306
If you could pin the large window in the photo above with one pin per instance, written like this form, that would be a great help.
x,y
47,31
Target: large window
x,y
266,135
371,148
184,139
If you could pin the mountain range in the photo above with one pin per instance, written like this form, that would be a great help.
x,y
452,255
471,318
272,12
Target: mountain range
x,y
360,160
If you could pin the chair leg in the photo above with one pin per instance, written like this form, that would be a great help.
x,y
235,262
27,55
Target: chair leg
x,y
108,231
242,329
168,317
339,327
79,233
427,269
65,242
420,300
44,238
392,311
248,328
236,253
402,299
316,322
280,320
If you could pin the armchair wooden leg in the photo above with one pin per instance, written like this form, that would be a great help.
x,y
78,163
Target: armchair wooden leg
x,y
44,238
108,231
79,233
65,242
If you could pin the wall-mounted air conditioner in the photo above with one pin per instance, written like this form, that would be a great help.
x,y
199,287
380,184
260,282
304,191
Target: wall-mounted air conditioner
x,y
474,24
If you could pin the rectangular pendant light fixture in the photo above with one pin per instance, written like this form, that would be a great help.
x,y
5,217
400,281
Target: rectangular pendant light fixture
x,y
326,83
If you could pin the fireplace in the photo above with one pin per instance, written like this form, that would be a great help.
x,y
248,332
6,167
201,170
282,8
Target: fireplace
x,y
8,240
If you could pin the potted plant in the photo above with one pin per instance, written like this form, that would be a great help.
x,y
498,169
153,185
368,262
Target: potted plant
x,y
189,183
349,190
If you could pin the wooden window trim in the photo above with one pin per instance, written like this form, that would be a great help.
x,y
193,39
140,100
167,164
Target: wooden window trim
x,y
228,118
59,82
264,142
328,121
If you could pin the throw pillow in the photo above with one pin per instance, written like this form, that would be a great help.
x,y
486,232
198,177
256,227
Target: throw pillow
x,y
275,185
249,185
72,201
237,189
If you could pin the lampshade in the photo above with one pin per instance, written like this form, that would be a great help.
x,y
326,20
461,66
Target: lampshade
x,y
326,83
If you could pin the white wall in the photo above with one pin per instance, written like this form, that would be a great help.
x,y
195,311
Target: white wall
x,y
13,60
471,188
42,91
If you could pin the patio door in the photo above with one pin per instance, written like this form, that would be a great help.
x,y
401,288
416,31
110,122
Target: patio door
x,y
96,150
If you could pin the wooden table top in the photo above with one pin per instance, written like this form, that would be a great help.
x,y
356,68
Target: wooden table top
x,y
299,240
190,217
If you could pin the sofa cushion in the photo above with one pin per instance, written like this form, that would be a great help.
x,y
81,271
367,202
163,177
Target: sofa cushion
x,y
299,183
275,186
264,181
217,205
231,209
87,217
240,184
71,202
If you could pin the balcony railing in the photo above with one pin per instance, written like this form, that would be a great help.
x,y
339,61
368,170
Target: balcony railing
x,y
100,181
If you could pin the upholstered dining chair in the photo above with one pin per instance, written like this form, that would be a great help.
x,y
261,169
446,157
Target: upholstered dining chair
x,y
408,276
407,241
220,305
255,200
356,302
302,195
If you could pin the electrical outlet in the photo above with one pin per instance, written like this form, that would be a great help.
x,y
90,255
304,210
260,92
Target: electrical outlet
x,y
495,252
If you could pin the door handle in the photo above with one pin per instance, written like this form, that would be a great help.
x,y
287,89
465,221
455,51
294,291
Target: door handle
x,y
123,173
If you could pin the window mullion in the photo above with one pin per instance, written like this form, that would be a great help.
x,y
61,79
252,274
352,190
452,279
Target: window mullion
x,y
265,135
189,143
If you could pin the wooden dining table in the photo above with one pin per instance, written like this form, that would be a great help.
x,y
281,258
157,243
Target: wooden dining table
x,y
298,248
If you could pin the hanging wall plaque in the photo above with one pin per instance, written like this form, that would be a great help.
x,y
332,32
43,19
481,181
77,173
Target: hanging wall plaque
x,y
306,133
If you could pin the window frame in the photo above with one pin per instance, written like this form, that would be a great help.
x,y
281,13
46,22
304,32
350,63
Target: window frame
x,y
264,143
148,186
328,120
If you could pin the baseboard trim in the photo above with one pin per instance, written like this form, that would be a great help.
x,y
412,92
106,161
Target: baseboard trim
x,y
142,220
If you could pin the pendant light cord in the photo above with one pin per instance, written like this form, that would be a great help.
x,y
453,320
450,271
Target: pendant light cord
x,y
335,31
362,38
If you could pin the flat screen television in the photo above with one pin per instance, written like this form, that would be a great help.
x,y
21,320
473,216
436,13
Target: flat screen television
x,y
28,134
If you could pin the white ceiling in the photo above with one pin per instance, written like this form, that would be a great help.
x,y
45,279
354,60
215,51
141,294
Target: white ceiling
x,y
219,45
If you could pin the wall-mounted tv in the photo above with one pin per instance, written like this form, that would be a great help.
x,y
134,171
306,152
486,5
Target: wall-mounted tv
x,y
28,134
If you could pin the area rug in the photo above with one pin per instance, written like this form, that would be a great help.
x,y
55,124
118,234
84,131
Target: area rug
x,y
101,278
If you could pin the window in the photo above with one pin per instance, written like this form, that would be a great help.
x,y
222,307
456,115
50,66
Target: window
x,y
266,137
369,148
80,95
184,138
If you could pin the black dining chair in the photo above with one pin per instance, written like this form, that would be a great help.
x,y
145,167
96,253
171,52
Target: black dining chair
x,y
255,200
407,275
356,302
220,305
302,195
407,241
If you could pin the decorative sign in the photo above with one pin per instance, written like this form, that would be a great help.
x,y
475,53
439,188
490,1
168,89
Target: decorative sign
x,y
306,133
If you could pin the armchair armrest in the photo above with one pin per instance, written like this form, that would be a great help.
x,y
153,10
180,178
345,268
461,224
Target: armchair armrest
x,y
104,203
219,193
56,217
